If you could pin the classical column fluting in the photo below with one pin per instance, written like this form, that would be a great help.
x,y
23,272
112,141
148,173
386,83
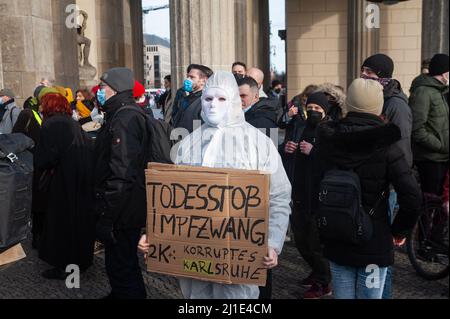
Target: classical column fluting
x,y
202,32
362,40
434,28
27,44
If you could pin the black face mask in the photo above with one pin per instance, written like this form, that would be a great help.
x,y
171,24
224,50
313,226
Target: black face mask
x,y
277,91
238,76
314,118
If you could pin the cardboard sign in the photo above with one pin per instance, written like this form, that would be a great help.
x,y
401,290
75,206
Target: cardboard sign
x,y
208,224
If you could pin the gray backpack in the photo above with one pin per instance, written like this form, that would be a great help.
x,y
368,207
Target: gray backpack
x,y
16,178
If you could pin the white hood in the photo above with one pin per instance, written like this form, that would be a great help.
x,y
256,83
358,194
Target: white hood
x,y
236,144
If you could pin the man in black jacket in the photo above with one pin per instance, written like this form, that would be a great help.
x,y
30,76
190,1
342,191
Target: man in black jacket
x,y
396,110
261,113
120,161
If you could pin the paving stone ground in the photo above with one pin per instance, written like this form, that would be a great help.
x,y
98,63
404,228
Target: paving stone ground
x,y
22,280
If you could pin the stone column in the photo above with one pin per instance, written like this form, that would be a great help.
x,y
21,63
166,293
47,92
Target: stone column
x,y
114,34
253,34
65,47
434,28
263,47
1,67
27,44
202,32
362,41
138,39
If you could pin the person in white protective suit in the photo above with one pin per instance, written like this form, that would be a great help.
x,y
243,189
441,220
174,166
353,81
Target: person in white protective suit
x,y
227,141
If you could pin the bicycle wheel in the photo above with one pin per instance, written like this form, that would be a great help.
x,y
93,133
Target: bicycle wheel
x,y
428,252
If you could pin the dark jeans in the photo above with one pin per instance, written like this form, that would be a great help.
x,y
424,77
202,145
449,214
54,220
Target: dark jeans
x,y
307,241
265,293
432,176
122,266
37,226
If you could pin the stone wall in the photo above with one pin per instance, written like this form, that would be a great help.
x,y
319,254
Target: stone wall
x,y
316,43
65,47
27,44
401,39
114,35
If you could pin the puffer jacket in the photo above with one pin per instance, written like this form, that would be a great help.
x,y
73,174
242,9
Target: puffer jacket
x,y
429,107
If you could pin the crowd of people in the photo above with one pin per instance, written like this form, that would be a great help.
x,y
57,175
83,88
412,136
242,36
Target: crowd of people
x,y
91,151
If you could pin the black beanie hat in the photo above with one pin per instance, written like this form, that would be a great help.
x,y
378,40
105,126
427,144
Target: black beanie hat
x,y
381,64
439,64
119,79
320,99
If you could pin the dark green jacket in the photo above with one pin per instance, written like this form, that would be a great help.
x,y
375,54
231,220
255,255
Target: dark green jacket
x,y
430,119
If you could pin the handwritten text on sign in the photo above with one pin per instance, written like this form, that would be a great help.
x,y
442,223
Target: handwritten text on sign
x,y
208,224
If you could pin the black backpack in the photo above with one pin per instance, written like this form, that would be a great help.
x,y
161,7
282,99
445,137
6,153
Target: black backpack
x,y
159,131
16,177
341,216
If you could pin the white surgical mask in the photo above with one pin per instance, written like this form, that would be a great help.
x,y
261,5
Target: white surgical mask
x,y
215,106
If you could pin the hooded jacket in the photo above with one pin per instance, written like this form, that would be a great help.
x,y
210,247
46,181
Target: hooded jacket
x,y
362,142
336,98
429,107
238,145
398,112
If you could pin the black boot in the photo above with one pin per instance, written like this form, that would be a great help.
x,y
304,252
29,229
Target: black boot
x,y
55,274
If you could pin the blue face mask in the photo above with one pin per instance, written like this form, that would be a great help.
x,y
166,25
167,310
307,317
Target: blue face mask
x,y
1,101
101,97
188,86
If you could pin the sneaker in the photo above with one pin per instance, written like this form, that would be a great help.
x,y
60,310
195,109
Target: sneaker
x,y
318,291
308,282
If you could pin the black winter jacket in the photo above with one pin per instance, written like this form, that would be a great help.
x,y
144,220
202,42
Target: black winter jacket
x,y
121,151
189,110
263,115
398,112
362,142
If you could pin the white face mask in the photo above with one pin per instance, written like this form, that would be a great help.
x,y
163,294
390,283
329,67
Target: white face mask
x,y
216,106
447,80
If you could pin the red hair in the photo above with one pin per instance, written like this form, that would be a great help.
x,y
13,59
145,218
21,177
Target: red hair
x,y
55,104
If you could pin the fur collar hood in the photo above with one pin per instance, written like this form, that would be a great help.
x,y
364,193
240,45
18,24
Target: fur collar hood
x,y
356,138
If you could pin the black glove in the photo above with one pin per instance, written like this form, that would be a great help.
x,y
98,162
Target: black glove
x,y
104,231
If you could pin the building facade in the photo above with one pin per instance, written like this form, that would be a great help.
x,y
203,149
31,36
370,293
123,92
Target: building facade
x,y
326,41
156,65
39,39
